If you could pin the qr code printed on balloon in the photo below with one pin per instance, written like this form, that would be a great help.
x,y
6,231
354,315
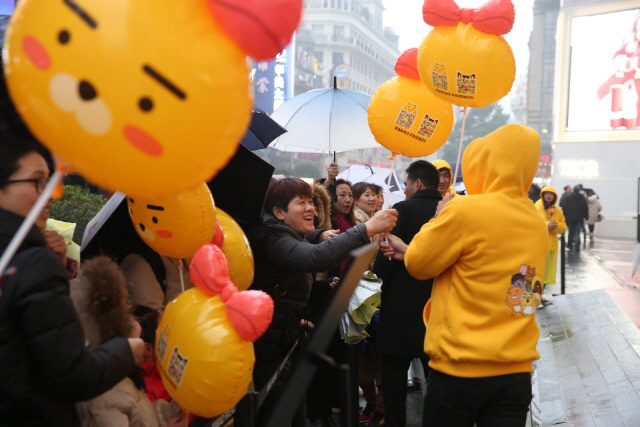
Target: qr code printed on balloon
x,y
439,77
427,127
407,115
177,366
163,341
467,83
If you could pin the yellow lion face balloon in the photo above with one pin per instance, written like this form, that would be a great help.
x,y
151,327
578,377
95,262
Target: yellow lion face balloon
x,y
466,66
148,97
177,226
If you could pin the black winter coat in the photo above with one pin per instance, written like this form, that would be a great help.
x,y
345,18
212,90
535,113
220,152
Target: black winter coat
x,y
284,262
44,364
401,331
575,207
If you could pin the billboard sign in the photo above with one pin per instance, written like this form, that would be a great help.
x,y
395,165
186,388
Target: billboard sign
x,y
272,81
604,73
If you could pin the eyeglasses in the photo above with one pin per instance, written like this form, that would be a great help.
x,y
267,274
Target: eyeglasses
x,y
40,183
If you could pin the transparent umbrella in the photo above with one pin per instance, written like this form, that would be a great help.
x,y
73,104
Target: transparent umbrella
x,y
325,121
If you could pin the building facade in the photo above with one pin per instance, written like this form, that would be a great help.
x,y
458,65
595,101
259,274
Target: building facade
x,y
540,80
596,132
351,43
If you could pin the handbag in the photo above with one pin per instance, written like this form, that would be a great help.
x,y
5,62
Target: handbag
x,y
600,218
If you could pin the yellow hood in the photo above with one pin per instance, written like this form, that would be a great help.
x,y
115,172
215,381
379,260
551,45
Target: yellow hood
x,y
443,164
505,161
549,189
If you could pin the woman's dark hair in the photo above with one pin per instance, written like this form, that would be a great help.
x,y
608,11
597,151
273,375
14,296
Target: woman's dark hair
x,y
12,149
283,191
360,188
376,188
351,218
148,319
546,204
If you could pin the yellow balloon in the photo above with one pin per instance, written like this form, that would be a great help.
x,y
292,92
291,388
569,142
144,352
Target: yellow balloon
x,y
465,66
406,118
205,365
177,226
148,97
237,250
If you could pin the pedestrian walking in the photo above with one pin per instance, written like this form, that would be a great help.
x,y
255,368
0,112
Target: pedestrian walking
x,y
556,225
595,207
576,211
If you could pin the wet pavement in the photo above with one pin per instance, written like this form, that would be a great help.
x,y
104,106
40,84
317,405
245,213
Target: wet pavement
x,y
589,368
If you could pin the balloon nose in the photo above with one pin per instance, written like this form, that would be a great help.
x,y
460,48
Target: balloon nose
x,y
87,91
142,227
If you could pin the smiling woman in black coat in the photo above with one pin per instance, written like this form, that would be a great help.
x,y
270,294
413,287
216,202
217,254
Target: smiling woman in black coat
x,y
287,249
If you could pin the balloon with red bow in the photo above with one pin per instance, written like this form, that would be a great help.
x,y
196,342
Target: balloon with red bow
x,y
204,341
464,59
261,28
406,117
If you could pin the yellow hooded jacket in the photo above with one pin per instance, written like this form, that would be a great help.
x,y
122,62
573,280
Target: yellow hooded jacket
x,y
443,164
554,213
487,252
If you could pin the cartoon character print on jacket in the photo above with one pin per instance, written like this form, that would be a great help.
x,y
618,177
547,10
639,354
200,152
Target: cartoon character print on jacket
x,y
525,292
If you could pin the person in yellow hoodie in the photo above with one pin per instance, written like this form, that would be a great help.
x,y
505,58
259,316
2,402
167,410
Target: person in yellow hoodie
x,y
446,176
556,225
487,253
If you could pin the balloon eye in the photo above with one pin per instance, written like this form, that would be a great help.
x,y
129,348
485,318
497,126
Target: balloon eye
x,y
64,37
155,220
145,104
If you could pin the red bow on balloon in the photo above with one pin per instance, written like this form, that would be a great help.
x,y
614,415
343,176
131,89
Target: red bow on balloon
x,y
250,312
494,17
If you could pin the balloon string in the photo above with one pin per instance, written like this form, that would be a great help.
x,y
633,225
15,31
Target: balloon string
x,y
455,175
393,168
180,266
28,222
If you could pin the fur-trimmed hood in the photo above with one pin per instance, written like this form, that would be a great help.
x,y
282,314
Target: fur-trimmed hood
x,y
322,201
101,299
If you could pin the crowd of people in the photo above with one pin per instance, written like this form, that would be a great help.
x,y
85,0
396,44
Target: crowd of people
x,y
459,293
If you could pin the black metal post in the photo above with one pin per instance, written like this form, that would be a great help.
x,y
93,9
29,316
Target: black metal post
x,y
246,410
562,264
347,413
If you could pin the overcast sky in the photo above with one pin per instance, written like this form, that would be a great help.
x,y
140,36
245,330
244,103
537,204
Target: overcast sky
x,y
405,17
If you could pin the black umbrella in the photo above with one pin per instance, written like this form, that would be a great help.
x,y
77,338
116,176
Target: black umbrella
x,y
240,188
262,131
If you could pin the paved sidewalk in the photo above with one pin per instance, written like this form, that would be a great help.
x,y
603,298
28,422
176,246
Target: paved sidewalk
x,y
589,368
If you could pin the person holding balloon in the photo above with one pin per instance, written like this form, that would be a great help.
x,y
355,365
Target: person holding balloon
x,y
45,364
481,350
287,250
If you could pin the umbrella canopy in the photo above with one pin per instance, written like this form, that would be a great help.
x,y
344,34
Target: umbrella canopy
x,y
379,176
262,131
240,188
325,121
